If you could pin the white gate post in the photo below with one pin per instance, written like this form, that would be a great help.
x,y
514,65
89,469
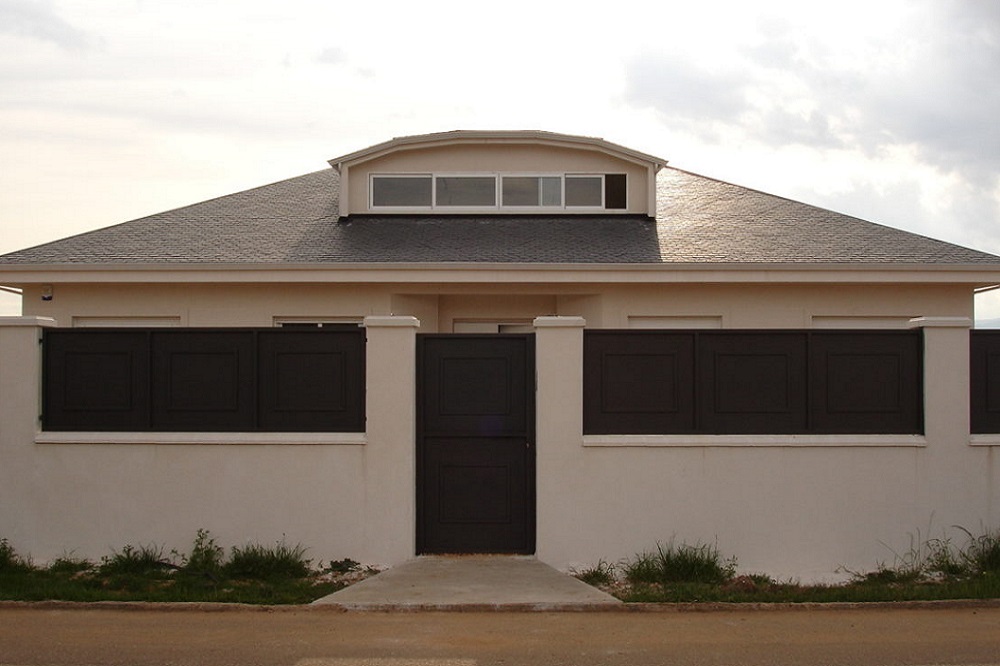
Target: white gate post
x,y
389,513
559,432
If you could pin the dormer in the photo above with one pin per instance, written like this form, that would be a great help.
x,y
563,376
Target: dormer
x,y
497,172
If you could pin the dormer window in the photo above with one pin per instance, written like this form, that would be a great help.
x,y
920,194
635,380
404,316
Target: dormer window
x,y
532,190
474,172
396,192
465,191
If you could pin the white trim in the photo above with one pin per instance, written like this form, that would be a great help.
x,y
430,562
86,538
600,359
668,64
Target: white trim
x,y
206,438
941,322
9,322
754,441
559,322
391,321
984,440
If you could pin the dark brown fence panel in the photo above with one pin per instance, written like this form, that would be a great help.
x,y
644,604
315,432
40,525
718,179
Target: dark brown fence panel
x,y
225,380
752,382
985,384
866,382
97,381
755,382
311,381
638,382
203,380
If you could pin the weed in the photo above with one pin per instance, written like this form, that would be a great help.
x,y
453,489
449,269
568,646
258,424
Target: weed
x,y
983,552
206,559
601,573
10,560
134,561
257,562
344,566
700,563
68,564
884,575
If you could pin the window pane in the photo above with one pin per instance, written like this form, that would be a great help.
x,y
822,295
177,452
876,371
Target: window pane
x,y
401,191
466,191
520,191
583,190
551,191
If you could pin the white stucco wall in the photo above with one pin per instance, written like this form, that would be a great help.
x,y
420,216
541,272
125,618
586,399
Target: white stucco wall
x,y
791,506
342,495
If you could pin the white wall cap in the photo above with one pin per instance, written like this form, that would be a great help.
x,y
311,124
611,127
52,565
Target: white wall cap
x,y
391,321
559,322
941,322
27,321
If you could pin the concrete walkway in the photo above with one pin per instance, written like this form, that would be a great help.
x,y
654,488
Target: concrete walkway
x,y
468,582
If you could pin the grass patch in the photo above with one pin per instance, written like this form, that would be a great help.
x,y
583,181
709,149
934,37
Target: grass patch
x,y
931,570
252,574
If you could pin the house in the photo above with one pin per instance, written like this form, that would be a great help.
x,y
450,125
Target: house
x,y
513,342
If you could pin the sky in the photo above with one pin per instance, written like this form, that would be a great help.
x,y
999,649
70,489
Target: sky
x,y
115,109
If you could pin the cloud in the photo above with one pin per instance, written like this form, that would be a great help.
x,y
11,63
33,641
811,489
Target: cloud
x,y
931,85
37,20
332,56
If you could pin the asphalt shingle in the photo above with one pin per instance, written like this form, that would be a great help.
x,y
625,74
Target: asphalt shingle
x,y
699,220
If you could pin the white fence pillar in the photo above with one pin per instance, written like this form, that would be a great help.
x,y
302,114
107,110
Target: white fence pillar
x,y
389,513
20,406
559,433
954,482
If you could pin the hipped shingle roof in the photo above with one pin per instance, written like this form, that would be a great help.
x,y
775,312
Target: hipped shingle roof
x,y
698,220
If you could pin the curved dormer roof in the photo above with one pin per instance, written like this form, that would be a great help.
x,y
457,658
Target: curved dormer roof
x,y
508,137
497,154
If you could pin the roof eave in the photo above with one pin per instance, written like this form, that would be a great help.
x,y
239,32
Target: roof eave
x,y
976,275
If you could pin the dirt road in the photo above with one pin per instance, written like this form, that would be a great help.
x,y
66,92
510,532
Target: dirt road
x,y
48,637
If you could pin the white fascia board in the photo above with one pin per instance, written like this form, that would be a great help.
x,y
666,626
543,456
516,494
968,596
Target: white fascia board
x,y
974,276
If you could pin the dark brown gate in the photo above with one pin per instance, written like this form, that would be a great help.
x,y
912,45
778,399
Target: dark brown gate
x,y
475,444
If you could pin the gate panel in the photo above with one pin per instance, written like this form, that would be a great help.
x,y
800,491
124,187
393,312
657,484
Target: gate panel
x,y
475,453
